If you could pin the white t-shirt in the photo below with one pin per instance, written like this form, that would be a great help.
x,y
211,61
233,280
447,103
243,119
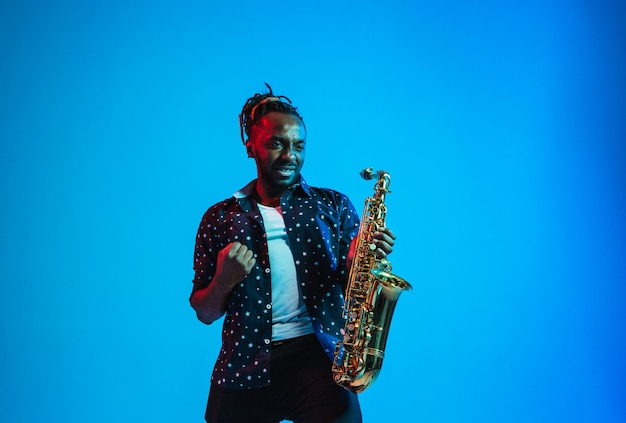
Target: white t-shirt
x,y
290,317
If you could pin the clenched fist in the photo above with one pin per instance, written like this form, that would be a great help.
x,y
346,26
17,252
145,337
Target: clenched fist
x,y
234,262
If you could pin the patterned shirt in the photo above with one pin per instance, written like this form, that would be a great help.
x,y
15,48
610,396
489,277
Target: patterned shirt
x,y
320,225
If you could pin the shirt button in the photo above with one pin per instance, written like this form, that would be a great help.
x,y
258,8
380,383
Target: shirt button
x,y
267,341
268,306
267,270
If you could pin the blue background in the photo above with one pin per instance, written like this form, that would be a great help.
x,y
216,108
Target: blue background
x,y
501,124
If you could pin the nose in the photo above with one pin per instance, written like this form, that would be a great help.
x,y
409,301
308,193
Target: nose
x,y
289,153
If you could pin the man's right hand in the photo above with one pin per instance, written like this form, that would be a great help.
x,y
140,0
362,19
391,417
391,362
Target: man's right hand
x,y
234,262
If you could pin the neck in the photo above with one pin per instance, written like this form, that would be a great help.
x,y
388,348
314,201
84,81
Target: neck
x,y
266,198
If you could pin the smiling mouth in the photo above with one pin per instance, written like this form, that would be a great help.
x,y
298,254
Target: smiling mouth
x,y
286,171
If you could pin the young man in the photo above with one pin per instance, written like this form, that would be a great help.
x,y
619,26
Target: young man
x,y
274,259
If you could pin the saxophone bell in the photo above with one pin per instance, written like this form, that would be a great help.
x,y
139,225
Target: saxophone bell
x,y
390,280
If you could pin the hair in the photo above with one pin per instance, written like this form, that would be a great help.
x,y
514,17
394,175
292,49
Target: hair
x,y
259,105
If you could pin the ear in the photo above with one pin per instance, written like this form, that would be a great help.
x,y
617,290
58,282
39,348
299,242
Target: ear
x,y
249,149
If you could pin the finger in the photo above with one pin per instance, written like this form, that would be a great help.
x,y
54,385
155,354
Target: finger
x,y
383,246
386,233
241,252
389,232
250,264
381,254
247,256
382,239
233,248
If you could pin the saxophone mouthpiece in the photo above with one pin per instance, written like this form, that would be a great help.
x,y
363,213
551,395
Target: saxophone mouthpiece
x,y
367,174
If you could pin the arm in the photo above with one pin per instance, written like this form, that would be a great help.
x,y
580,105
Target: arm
x,y
234,263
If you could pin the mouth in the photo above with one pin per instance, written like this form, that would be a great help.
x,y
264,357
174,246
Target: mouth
x,y
286,171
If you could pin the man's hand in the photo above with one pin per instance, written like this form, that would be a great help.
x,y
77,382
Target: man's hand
x,y
383,239
234,262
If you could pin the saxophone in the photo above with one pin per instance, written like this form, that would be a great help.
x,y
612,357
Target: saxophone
x,y
371,296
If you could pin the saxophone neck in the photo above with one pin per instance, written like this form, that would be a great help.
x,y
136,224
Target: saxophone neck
x,y
381,187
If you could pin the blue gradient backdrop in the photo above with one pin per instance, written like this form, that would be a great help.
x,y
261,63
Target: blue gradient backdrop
x,y
501,123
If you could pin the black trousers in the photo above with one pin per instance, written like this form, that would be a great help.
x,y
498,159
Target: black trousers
x,y
302,391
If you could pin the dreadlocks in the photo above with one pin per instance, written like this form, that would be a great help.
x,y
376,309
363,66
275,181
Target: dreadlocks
x,y
259,105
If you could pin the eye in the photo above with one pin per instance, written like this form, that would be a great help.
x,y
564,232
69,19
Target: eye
x,y
276,145
299,147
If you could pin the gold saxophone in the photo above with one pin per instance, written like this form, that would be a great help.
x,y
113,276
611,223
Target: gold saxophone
x,y
371,297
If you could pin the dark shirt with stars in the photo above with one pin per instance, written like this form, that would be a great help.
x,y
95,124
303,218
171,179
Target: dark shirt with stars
x,y
320,224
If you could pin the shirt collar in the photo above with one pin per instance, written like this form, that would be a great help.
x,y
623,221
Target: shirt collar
x,y
246,191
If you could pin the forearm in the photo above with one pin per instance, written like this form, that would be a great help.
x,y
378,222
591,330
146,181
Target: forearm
x,y
234,263
210,302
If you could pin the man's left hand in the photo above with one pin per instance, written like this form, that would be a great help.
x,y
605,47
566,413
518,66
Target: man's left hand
x,y
383,239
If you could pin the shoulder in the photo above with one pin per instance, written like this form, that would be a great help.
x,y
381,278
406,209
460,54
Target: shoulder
x,y
219,209
327,193
233,202
332,199
320,193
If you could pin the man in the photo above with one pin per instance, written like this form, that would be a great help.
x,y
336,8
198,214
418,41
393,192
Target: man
x,y
274,259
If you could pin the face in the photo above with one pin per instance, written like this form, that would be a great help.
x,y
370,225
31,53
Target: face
x,y
277,144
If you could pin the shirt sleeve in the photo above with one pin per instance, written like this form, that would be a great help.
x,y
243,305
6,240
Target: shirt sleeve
x,y
349,225
205,254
